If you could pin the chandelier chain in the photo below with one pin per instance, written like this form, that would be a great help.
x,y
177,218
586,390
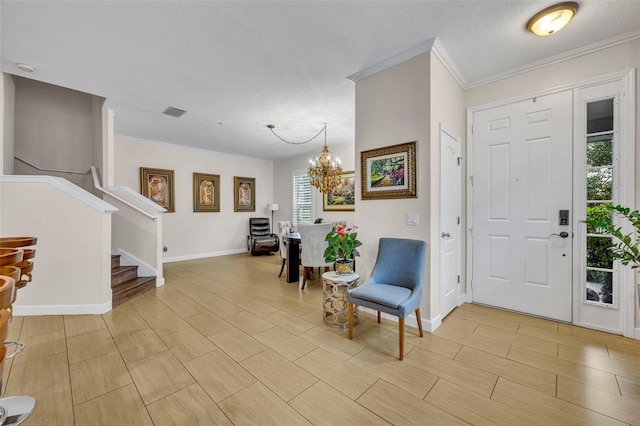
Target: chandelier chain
x,y
324,129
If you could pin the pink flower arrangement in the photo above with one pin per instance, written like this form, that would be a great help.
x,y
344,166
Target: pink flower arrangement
x,y
342,243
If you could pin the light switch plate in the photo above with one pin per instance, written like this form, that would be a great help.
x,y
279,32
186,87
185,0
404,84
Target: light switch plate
x,y
412,219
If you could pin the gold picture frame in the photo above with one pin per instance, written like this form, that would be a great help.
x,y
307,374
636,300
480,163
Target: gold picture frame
x,y
389,172
158,186
343,197
244,194
206,193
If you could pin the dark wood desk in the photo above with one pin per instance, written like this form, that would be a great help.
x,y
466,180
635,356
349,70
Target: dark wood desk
x,y
293,257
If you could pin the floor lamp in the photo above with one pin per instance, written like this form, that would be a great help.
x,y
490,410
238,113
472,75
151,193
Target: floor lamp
x,y
274,207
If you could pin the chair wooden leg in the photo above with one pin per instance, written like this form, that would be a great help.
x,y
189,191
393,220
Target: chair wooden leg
x,y
419,321
401,337
350,307
378,317
284,261
305,276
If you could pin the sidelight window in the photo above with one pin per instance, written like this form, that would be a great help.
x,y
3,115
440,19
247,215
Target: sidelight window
x,y
601,176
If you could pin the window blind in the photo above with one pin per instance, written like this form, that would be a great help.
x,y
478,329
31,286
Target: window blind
x,y
302,199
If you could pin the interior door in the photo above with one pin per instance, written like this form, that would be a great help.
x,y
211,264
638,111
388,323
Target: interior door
x,y
522,206
450,212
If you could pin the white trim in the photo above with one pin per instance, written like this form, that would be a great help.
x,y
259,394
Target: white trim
x,y
439,52
585,50
35,310
63,185
202,255
469,188
393,61
427,325
136,198
637,334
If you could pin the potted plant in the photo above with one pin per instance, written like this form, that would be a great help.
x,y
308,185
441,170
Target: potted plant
x,y
342,247
626,247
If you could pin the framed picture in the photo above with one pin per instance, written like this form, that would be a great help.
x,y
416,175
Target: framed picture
x,y
244,194
158,186
389,172
343,197
206,192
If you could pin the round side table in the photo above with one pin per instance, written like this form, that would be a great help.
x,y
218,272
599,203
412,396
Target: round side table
x,y
334,303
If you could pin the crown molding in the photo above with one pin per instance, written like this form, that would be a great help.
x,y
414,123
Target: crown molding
x,y
604,44
435,46
392,61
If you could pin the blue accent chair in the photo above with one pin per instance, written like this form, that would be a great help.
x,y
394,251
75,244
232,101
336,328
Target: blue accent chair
x,y
395,284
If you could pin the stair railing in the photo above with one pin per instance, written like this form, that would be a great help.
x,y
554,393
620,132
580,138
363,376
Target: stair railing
x,y
96,184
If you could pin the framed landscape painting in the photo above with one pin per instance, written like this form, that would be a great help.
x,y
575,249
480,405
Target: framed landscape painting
x,y
343,197
389,172
158,186
244,194
206,192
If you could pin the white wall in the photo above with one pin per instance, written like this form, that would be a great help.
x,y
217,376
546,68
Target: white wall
x,y
447,107
393,107
617,58
188,234
283,190
7,123
72,265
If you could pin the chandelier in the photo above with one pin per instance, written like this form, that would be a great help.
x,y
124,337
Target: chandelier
x,y
325,173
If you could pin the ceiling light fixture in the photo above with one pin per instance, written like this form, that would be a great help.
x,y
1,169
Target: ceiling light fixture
x,y
552,19
325,173
26,68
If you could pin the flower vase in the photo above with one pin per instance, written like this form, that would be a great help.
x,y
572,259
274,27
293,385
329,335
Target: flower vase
x,y
344,266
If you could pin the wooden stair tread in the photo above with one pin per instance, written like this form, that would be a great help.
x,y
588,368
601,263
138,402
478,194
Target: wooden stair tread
x,y
129,289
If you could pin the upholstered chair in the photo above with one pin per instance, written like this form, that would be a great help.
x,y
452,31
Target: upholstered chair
x,y
395,284
284,228
313,247
260,239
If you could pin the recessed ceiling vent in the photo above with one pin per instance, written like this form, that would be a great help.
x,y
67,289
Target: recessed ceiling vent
x,y
174,112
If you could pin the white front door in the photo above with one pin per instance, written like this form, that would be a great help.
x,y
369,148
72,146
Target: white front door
x,y
522,187
450,212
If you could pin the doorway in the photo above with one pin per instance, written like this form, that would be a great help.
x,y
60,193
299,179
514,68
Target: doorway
x,y
531,184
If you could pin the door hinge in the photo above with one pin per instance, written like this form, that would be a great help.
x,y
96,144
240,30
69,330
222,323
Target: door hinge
x,y
471,180
458,220
471,283
458,279
459,160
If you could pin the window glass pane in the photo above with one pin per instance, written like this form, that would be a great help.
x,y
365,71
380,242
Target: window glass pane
x,y
600,116
599,183
601,212
600,150
598,254
599,286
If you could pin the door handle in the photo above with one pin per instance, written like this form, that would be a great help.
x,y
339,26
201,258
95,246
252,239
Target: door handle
x,y
563,234
445,235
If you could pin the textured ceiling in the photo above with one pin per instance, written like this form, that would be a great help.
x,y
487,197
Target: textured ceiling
x,y
237,66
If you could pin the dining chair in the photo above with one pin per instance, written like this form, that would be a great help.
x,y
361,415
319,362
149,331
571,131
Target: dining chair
x,y
395,284
313,247
284,229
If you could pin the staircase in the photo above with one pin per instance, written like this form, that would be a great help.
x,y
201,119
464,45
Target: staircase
x,y
125,282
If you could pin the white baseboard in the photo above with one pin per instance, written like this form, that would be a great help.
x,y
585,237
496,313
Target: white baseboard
x,y
36,310
427,325
202,255
637,334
